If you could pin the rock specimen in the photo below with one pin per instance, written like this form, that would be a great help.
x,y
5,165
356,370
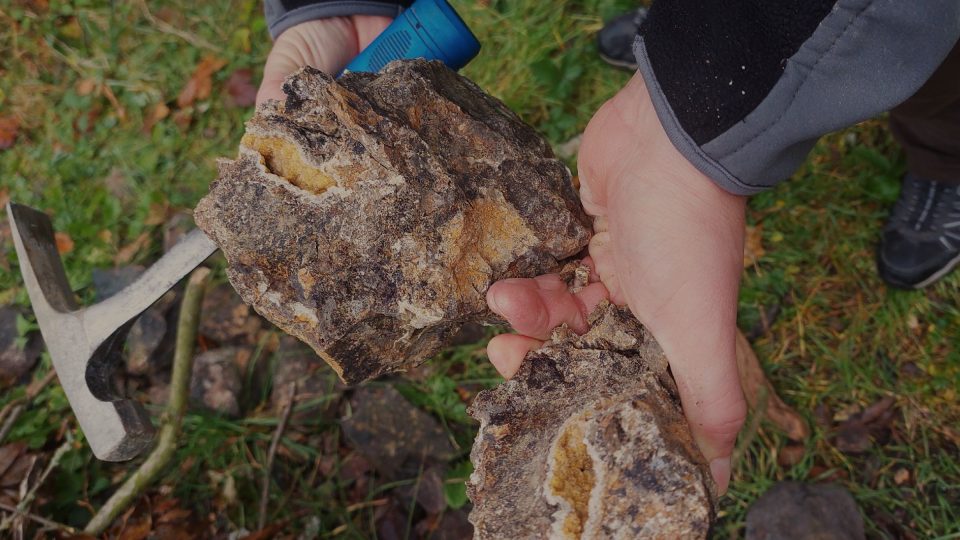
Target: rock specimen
x,y
588,441
368,215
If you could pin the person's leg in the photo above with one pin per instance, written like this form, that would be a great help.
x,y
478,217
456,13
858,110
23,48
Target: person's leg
x,y
921,241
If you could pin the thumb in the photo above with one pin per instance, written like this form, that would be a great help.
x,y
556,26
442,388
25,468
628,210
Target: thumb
x,y
715,409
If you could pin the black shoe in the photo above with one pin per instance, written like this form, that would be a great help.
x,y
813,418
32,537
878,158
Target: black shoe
x,y
615,39
921,241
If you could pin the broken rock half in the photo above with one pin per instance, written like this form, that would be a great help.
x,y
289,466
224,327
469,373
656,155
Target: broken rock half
x,y
368,215
588,440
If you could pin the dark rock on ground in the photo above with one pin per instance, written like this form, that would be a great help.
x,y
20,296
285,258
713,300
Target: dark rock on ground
x,y
315,381
798,511
17,356
225,319
217,379
368,215
393,434
149,345
588,441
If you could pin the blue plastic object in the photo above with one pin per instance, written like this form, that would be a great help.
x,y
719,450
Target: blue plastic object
x,y
429,29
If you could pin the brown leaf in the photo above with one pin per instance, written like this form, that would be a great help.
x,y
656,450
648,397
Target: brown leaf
x,y
790,455
200,85
64,242
857,433
752,379
241,91
128,252
9,128
138,530
753,245
158,213
8,454
157,113
183,118
902,476
86,87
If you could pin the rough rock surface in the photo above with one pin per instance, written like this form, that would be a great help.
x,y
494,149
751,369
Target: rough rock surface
x,y
368,215
588,441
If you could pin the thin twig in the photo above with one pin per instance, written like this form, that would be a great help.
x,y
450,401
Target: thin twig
x,y
15,408
271,454
41,520
173,416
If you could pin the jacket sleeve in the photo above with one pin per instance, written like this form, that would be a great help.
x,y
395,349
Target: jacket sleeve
x,y
744,88
282,14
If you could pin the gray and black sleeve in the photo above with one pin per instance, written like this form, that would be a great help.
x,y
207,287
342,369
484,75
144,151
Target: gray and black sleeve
x,y
745,87
282,14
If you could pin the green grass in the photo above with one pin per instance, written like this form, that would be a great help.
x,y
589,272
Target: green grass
x,y
841,338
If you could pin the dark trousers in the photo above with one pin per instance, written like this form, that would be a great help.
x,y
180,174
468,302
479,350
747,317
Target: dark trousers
x,y
927,124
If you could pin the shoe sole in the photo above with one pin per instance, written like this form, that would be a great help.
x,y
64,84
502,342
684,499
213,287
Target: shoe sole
x,y
936,276
631,66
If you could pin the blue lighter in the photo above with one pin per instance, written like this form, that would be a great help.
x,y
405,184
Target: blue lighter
x,y
429,29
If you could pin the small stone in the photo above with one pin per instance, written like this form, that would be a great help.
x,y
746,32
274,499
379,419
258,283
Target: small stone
x,y
225,319
316,382
369,214
588,440
17,356
393,434
453,525
216,382
149,345
798,511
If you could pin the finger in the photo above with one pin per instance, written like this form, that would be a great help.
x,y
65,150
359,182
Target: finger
x,y
604,267
534,307
369,27
507,351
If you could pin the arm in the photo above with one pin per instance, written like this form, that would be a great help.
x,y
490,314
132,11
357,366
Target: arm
x,y
729,99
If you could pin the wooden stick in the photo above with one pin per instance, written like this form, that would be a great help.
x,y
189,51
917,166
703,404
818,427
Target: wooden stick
x,y
179,389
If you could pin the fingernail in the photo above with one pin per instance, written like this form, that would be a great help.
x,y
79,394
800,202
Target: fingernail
x,y
720,469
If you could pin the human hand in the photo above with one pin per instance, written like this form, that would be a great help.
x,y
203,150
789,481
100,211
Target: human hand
x,y
667,242
326,44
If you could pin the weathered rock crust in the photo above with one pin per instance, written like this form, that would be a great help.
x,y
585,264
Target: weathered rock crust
x,y
588,440
368,215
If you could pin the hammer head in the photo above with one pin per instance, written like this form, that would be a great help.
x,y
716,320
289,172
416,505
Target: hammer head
x,y
84,344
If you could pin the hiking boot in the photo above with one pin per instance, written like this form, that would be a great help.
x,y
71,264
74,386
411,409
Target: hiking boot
x,y
921,241
615,39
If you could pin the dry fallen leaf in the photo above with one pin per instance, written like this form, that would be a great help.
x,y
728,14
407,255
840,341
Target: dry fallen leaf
x,y
86,87
64,242
753,379
753,245
9,127
858,432
902,476
128,252
157,113
158,213
183,118
240,89
200,85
